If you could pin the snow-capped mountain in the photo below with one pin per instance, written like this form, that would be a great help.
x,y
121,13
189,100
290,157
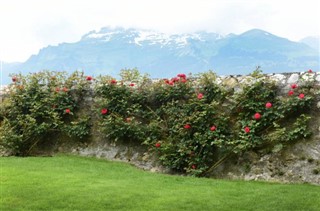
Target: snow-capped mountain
x,y
148,37
162,55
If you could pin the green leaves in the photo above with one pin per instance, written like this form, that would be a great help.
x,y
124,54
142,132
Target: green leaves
x,y
79,129
36,109
192,124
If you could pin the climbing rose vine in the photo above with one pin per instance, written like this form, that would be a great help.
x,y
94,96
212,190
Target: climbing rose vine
x,y
191,124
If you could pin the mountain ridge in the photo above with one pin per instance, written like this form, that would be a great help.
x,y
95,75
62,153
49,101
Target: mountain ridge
x,y
109,50
312,41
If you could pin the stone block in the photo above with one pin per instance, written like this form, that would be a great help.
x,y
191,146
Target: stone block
x,y
294,78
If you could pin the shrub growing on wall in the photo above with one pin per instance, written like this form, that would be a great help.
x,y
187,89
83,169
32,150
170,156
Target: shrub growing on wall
x,y
192,124
123,106
40,105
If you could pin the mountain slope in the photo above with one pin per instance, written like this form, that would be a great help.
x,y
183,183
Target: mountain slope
x,y
162,55
312,41
260,48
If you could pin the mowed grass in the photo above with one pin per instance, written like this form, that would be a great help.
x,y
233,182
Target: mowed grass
x,y
78,183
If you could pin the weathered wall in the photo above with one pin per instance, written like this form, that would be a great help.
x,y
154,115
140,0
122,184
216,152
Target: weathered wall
x,y
298,163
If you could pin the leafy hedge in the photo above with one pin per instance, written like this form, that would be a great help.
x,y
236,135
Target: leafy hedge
x,y
192,124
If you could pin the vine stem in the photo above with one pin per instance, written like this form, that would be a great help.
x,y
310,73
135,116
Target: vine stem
x,y
33,145
218,163
155,114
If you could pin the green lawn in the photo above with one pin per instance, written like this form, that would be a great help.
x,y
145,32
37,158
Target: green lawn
x,y
78,183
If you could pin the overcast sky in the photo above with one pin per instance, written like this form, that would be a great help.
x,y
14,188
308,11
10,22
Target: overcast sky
x,y
26,26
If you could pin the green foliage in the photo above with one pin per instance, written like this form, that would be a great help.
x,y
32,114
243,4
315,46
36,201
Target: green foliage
x,y
197,148
183,148
126,107
36,108
79,128
192,124
284,120
133,76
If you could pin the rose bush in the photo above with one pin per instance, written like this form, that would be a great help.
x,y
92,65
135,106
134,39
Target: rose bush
x,y
191,124
38,107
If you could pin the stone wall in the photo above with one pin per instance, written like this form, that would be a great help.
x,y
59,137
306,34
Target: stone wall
x,y
298,163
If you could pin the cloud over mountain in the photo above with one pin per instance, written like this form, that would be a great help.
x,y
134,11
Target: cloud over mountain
x,y
162,55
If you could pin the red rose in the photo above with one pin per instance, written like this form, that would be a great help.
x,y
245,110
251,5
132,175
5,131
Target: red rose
x,y
268,105
14,79
132,84
67,111
113,81
310,71
257,116
171,83
157,145
200,96
104,111
247,129
293,86
65,89
89,78
175,79
301,96
290,92
183,80
213,128
181,75
193,166
187,126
